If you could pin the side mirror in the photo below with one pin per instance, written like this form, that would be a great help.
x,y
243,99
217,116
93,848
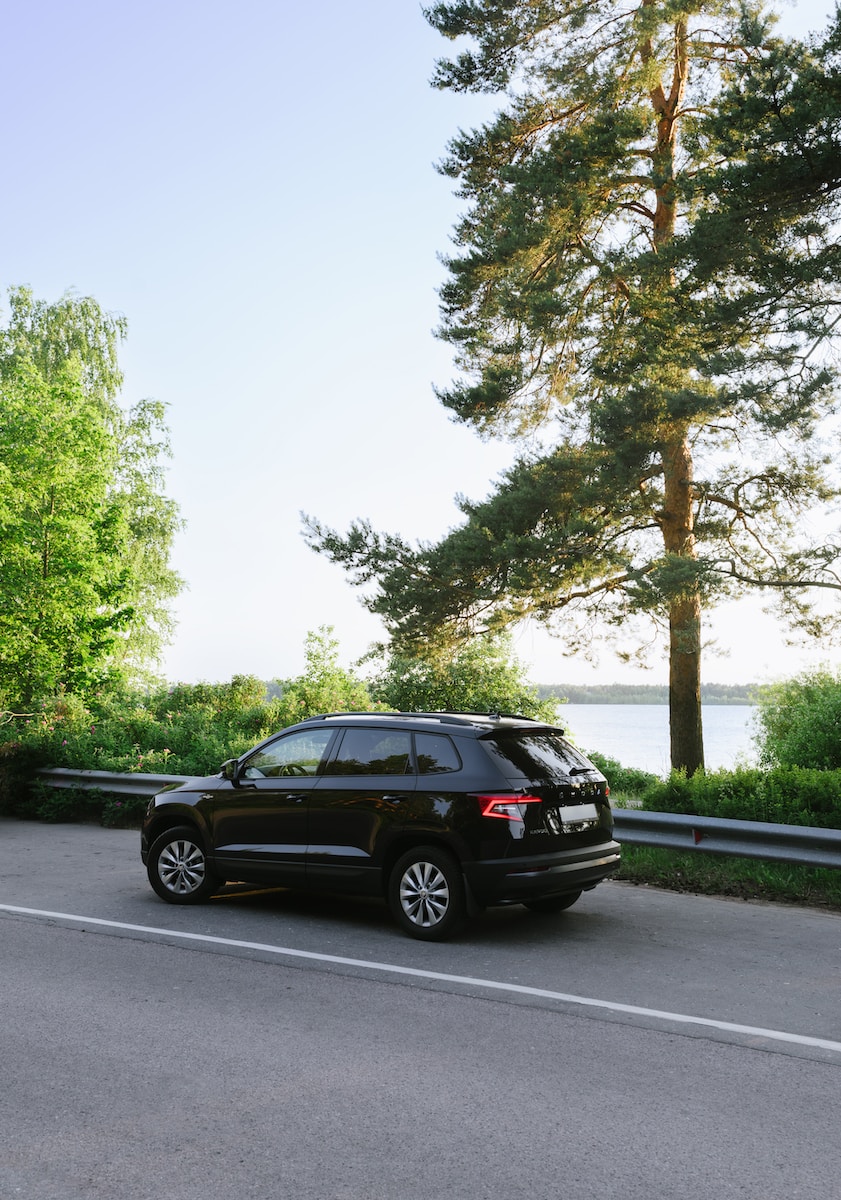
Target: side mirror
x,y
229,769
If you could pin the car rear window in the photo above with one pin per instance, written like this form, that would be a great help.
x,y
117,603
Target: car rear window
x,y
535,755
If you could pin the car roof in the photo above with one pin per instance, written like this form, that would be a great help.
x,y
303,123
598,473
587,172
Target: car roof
x,y
478,722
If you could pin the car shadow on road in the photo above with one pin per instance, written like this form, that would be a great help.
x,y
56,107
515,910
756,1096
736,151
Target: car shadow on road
x,y
505,924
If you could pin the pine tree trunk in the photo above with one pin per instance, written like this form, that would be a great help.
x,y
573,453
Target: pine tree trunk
x,y
685,726
677,523
678,519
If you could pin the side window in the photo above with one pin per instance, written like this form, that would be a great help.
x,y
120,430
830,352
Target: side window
x,y
296,754
436,754
372,752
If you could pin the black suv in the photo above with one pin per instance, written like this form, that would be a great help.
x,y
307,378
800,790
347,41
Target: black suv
x,y
441,813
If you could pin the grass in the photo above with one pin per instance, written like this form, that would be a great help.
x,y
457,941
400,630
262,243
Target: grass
x,y
741,878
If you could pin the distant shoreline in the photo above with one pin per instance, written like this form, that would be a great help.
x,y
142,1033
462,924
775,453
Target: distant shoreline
x,y
628,693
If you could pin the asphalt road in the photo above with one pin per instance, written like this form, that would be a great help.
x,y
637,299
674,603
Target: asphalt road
x,y
269,1045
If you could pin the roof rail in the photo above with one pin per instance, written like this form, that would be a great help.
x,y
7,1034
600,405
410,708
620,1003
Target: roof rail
x,y
346,713
445,716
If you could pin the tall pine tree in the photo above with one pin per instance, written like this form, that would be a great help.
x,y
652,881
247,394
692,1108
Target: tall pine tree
x,y
644,278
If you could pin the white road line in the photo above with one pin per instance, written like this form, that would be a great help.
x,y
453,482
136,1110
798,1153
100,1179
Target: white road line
x,y
777,1035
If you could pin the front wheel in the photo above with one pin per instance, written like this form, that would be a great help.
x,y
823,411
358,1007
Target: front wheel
x,y
177,867
553,904
426,894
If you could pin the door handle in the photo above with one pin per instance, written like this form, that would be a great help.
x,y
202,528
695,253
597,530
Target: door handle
x,y
396,797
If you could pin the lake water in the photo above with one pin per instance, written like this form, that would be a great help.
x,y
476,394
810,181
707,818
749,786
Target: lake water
x,y
638,734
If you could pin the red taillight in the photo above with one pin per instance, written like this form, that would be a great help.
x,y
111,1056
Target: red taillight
x,y
506,806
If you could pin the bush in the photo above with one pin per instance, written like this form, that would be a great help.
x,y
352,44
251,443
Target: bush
x,y
628,782
18,763
800,722
188,729
784,795
181,730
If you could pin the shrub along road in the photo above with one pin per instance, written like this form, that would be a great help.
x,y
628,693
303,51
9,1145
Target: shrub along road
x,y
137,1063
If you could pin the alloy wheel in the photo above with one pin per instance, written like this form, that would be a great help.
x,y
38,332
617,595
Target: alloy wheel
x,y
424,894
182,867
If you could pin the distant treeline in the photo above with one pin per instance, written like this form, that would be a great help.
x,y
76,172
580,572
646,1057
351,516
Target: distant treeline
x,y
615,693
630,693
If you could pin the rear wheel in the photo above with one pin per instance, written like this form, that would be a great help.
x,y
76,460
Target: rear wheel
x,y
177,867
426,894
553,904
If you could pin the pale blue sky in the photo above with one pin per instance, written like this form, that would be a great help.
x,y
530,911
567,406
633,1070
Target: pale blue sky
x,y
252,185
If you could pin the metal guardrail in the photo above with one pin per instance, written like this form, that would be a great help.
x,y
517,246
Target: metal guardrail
x,y
799,844
132,784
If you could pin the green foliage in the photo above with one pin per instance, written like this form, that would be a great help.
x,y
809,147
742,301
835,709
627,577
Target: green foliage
x,y
19,759
56,805
85,530
626,783
783,795
483,676
186,729
325,686
189,729
777,125
800,722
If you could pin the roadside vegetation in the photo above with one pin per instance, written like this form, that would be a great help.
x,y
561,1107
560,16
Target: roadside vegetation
x,y
783,795
798,782
191,729
739,878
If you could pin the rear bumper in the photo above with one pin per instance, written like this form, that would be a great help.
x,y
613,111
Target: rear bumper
x,y
512,880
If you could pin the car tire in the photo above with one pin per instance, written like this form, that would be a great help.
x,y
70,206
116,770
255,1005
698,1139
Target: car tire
x,y
553,904
426,894
177,867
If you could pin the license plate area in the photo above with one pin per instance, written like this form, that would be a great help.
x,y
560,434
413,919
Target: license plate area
x,y
573,818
